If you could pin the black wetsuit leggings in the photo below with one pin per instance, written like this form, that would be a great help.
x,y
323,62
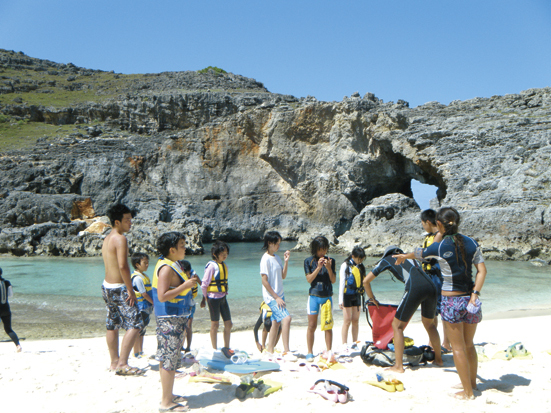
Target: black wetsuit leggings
x,y
5,315
420,290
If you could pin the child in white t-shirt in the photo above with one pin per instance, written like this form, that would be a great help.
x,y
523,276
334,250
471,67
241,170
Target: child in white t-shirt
x,y
273,272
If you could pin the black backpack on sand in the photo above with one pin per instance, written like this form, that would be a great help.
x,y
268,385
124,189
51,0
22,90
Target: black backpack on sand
x,y
413,356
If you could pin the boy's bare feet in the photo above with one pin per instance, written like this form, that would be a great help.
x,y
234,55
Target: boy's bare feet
x,y
19,349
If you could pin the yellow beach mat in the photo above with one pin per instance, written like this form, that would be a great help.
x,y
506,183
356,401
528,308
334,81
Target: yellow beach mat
x,y
206,377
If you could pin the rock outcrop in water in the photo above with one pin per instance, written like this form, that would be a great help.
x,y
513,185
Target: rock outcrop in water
x,y
218,156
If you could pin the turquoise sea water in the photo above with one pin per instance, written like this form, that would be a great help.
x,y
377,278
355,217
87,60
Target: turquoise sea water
x,y
61,297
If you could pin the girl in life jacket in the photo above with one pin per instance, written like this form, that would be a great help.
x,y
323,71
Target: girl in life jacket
x,y
215,289
351,275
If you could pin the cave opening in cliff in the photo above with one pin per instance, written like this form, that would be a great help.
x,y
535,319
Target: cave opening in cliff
x,y
423,193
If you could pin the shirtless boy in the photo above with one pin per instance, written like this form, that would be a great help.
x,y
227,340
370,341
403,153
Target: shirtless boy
x,y
117,291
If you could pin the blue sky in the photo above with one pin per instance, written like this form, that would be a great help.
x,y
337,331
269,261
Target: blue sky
x,y
418,51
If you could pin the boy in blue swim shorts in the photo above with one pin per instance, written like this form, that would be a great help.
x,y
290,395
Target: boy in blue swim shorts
x,y
273,272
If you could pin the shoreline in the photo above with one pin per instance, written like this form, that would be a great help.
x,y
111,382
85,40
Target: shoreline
x,y
58,329
70,375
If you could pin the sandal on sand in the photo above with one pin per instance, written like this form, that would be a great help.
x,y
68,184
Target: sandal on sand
x,y
228,352
179,399
130,371
175,408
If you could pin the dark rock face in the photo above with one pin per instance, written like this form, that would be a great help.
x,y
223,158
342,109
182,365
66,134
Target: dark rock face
x,y
235,163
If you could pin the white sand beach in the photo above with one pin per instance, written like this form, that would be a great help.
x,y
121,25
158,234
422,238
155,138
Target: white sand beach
x,y
72,376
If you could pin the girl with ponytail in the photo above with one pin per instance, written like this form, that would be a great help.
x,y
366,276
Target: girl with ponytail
x,y
461,307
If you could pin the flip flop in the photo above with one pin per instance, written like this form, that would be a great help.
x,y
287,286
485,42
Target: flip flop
x,y
130,371
179,399
173,408
444,350
228,352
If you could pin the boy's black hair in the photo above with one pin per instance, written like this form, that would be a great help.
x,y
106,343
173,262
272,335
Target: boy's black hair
x,y
116,212
429,215
318,243
186,266
137,257
271,237
218,247
167,241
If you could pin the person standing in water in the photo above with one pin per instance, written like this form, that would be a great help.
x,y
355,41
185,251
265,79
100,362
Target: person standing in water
x,y
118,294
6,291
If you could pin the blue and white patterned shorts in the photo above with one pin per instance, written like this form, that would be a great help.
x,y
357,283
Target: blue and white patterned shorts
x,y
278,314
454,310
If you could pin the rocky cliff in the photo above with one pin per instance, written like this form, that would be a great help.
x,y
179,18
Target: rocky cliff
x,y
218,156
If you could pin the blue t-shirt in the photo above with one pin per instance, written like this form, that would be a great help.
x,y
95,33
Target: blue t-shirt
x,y
456,275
321,286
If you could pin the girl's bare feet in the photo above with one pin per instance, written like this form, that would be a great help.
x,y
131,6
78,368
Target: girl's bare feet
x,y
460,386
462,396
396,369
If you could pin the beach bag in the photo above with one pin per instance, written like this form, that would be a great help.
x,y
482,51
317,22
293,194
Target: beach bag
x,y
326,316
413,356
374,356
428,353
382,323
371,355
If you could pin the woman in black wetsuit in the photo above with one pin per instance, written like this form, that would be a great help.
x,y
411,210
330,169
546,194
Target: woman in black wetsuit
x,y
5,313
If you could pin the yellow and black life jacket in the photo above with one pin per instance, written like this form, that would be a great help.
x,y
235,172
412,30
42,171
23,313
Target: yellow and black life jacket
x,y
219,281
265,310
353,283
428,266
143,304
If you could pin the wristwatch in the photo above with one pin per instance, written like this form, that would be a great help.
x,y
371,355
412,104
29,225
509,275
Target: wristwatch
x,y
476,292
